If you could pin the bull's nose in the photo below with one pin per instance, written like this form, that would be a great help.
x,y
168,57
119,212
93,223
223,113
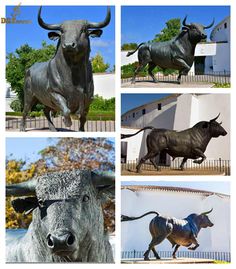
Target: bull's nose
x,y
69,46
61,242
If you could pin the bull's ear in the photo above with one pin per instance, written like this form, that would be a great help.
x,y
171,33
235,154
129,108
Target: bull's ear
x,y
95,33
26,205
205,125
54,35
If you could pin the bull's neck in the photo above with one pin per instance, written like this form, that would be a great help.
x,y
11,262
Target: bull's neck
x,y
202,135
185,42
72,69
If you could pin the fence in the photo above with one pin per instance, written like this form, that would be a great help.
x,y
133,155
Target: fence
x,y
219,166
41,123
220,256
210,77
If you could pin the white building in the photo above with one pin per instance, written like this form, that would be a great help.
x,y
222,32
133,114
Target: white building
x,y
177,112
177,202
212,56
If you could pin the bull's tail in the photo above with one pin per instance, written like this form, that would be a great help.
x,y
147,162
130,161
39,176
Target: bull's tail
x,y
132,52
129,135
126,218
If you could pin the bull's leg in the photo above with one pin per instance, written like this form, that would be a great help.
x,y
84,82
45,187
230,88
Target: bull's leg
x,y
151,66
155,241
175,250
51,126
199,154
156,254
83,118
183,162
137,70
195,242
149,155
29,102
153,161
184,67
60,102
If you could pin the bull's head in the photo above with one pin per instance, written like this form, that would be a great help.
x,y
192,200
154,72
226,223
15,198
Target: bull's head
x,y
215,127
67,212
196,31
204,221
74,34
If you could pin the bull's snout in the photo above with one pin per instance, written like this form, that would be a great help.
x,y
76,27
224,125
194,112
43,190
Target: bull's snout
x,y
224,133
70,46
61,242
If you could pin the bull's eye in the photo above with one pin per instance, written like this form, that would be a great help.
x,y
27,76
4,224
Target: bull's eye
x,y
85,198
41,203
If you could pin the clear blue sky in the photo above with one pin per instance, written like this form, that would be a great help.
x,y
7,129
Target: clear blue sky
x,y
213,186
132,100
33,34
27,148
142,23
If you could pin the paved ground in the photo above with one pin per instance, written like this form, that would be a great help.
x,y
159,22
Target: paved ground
x,y
148,84
168,261
174,172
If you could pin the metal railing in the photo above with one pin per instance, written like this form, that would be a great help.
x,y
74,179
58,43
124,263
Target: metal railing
x,y
38,123
219,256
222,77
219,166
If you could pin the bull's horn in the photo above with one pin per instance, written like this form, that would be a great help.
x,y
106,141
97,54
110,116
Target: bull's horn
x,y
45,25
103,179
215,118
184,22
210,25
207,212
103,23
21,189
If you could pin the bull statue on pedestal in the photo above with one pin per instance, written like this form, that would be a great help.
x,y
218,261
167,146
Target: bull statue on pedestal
x,y
189,144
64,83
178,53
180,232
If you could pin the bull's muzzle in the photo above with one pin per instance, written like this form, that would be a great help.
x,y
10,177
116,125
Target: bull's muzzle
x,y
70,46
61,242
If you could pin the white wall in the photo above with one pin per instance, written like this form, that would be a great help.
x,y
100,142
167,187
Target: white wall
x,y
221,61
104,85
135,234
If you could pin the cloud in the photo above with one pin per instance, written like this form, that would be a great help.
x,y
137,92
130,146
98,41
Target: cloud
x,y
100,43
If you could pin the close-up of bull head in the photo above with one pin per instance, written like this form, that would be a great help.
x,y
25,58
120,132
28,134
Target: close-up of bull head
x,y
195,30
67,209
215,128
74,34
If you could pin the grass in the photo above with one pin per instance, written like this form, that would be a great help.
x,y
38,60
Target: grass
x,y
221,262
222,85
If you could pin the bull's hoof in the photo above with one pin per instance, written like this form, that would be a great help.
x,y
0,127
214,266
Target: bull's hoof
x,y
181,168
198,162
174,257
146,259
178,82
67,121
132,81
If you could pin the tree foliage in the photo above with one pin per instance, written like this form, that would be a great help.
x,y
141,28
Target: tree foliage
x,y
171,30
101,104
65,154
21,60
98,64
129,46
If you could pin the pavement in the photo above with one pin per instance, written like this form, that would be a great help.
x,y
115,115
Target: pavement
x,y
168,261
166,84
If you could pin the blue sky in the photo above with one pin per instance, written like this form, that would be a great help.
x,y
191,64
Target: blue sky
x,y
213,186
28,148
129,101
142,23
33,34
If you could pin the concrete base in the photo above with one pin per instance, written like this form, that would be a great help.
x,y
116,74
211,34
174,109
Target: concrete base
x,y
167,261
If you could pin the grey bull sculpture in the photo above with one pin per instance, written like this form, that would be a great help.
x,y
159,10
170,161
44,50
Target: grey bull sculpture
x,y
178,53
189,144
67,223
64,83
180,232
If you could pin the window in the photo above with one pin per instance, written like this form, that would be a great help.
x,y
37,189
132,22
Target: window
x,y
225,25
133,115
143,111
159,106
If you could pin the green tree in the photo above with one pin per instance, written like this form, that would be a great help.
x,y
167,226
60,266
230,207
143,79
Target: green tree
x,y
171,30
20,60
129,46
98,64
